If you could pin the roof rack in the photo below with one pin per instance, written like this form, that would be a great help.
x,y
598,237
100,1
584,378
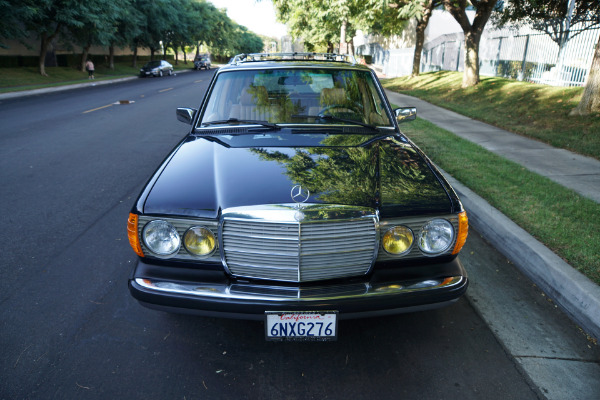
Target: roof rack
x,y
347,58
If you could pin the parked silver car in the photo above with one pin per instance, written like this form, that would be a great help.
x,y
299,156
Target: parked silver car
x,y
156,68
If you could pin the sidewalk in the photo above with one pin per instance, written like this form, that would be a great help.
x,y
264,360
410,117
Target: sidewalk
x,y
572,291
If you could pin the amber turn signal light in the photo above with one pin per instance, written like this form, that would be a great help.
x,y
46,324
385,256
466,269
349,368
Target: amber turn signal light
x,y
463,231
132,234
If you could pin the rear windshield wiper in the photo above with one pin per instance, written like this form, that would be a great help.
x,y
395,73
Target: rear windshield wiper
x,y
333,118
242,121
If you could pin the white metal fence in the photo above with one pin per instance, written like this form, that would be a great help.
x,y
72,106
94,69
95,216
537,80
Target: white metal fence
x,y
532,57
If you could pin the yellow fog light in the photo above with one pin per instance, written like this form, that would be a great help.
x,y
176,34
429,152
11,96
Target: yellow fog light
x,y
199,241
398,240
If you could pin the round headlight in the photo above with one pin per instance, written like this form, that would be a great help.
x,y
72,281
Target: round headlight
x,y
398,240
436,237
199,241
161,238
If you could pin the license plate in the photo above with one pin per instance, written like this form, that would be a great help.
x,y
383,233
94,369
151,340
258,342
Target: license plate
x,y
301,325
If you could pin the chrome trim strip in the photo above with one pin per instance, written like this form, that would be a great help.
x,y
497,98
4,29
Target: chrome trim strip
x,y
339,292
284,213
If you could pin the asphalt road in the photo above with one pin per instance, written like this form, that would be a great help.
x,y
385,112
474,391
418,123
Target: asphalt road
x,y
71,165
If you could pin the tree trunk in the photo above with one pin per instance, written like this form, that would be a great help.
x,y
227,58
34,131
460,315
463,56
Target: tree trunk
x,y
471,74
184,55
84,55
43,51
134,60
343,49
420,39
45,42
590,100
111,57
473,31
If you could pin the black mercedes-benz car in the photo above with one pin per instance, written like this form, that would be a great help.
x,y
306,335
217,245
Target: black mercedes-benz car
x,y
296,199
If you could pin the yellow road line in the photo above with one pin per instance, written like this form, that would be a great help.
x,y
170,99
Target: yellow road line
x,y
96,109
164,90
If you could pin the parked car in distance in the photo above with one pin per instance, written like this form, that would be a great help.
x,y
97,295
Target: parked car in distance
x,y
202,61
156,68
295,199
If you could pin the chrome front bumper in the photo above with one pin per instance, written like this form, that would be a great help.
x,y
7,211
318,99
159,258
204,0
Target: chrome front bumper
x,y
249,292
383,293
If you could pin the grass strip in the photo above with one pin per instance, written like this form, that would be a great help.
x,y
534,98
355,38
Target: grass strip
x,y
28,78
567,223
532,110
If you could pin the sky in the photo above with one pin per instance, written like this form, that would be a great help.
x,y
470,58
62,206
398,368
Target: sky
x,y
257,16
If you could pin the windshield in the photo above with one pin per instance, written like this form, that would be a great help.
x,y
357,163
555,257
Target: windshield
x,y
297,96
153,64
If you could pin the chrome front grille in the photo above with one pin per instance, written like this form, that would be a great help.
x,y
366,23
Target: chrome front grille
x,y
295,251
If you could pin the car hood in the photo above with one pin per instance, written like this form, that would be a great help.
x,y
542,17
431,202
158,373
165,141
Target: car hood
x,y
202,177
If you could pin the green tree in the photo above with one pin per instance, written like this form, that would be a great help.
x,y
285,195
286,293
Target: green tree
x,y
128,25
48,18
178,35
421,11
248,42
160,17
472,32
13,13
199,25
220,35
553,17
321,24
98,26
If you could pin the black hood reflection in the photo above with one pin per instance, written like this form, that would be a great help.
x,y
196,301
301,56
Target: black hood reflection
x,y
204,176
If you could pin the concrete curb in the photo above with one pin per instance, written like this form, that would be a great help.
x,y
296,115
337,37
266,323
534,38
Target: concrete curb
x,y
577,295
53,89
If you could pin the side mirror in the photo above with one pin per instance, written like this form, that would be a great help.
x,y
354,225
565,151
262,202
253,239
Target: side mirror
x,y
405,114
186,114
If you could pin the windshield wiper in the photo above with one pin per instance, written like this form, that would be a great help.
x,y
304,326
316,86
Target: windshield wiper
x,y
334,118
242,121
